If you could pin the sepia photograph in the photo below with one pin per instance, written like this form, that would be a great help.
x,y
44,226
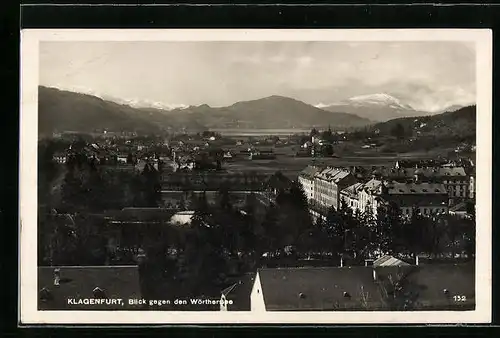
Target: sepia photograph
x,y
319,176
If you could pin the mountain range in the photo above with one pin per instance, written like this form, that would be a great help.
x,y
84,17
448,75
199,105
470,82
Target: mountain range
x,y
379,107
65,110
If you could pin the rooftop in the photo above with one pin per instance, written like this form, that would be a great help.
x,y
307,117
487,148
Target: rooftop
x,y
239,293
79,282
332,174
395,188
349,288
352,190
318,288
140,214
388,260
182,218
426,172
372,185
309,171
460,207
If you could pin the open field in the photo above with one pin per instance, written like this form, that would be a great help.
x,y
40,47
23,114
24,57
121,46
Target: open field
x,y
260,132
291,166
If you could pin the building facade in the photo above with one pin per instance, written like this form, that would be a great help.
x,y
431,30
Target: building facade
x,y
369,196
425,198
306,179
327,186
455,179
350,196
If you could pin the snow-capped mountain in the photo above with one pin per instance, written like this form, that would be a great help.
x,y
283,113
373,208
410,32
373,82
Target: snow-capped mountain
x,y
376,107
379,100
154,104
144,103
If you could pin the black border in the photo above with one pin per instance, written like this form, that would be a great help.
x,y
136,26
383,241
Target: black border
x,y
223,16
260,16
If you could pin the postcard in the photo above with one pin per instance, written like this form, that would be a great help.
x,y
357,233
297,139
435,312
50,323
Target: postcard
x,y
255,176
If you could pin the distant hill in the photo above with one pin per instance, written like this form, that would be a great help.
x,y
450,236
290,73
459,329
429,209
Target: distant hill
x,y
68,111
461,123
376,107
64,110
267,113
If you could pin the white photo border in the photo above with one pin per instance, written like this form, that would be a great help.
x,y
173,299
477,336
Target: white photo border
x,y
28,309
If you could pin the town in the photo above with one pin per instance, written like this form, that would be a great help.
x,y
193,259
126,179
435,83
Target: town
x,y
317,220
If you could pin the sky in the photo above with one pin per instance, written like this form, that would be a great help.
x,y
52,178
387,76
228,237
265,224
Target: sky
x,y
428,76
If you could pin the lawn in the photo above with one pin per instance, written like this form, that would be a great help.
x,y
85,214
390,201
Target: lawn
x,y
291,166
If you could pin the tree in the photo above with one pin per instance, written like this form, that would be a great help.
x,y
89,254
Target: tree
x,y
201,211
327,135
204,249
334,230
298,197
268,234
293,215
314,132
399,293
350,232
251,204
398,131
224,200
151,187
304,139
47,169
73,190
327,150
365,235
130,158
388,224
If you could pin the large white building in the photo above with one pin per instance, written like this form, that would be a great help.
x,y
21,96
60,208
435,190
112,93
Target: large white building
x,y
327,186
426,198
306,179
350,196
455,179
369,196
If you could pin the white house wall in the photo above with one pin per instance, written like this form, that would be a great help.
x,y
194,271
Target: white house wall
x,y
256,297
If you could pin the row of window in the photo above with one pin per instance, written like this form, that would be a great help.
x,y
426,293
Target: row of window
x,y
457,187
425,211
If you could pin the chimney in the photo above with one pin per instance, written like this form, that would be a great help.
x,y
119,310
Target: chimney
x,y
57,276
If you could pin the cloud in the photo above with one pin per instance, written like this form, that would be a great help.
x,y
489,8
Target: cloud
x,y
277,59
221,73
304,61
